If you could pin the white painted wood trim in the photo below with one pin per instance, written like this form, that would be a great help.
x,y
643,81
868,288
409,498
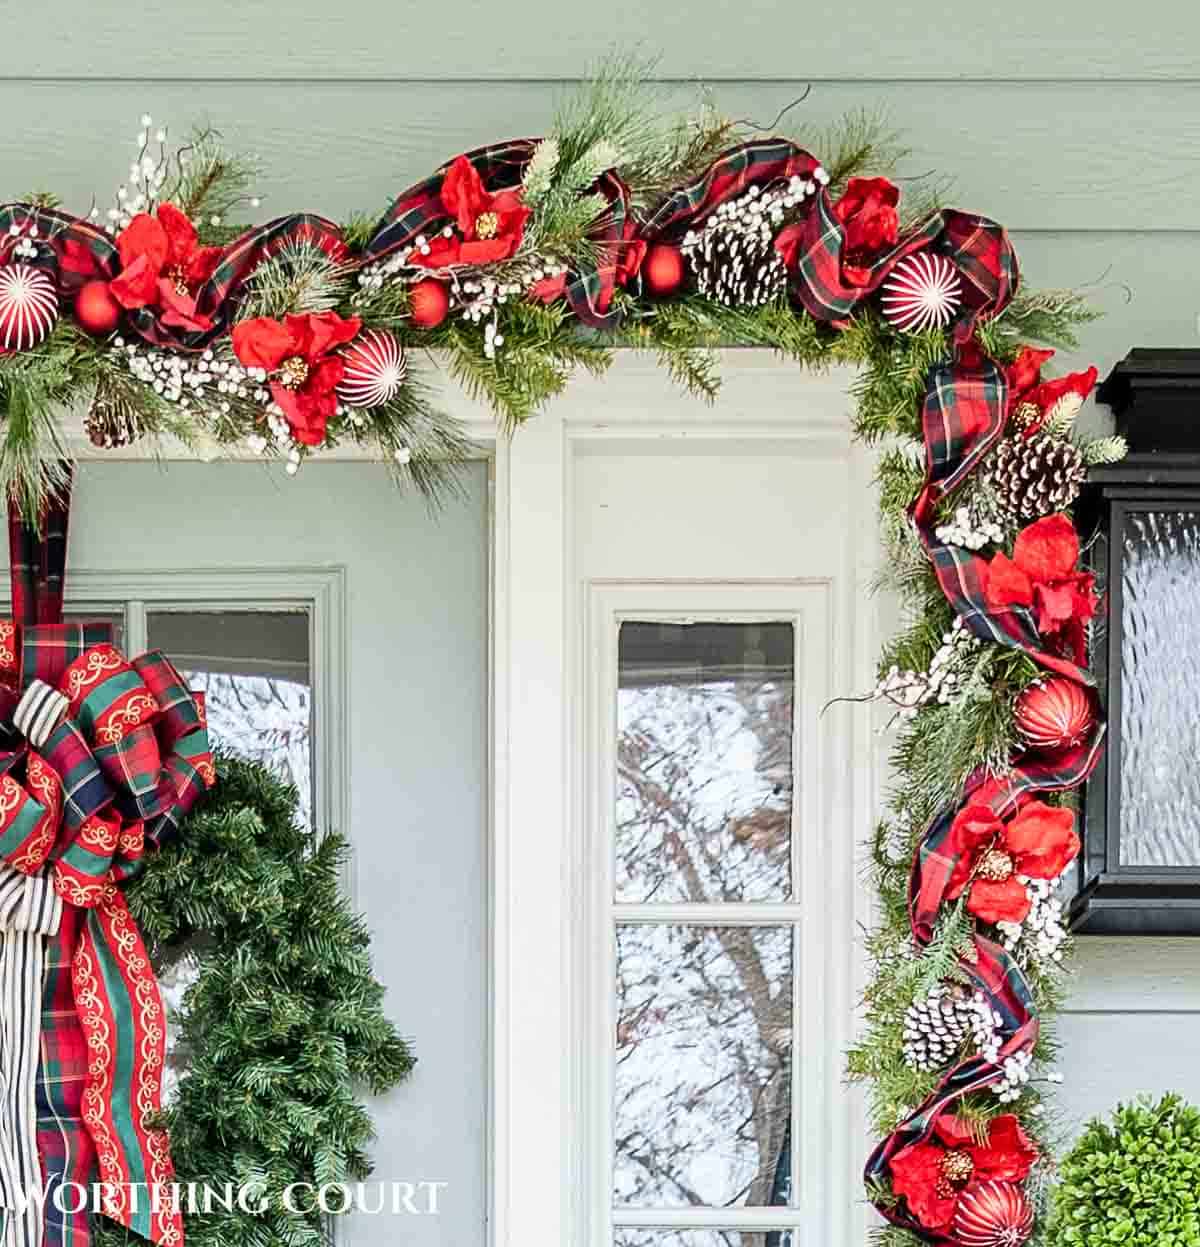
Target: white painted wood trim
x,y
541,997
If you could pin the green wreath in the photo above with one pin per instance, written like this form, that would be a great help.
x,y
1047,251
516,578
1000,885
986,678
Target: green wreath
x,y
283,1025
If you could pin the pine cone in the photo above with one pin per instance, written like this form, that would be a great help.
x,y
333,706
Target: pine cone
x,y
112,419
937,1026
1036,476
735,262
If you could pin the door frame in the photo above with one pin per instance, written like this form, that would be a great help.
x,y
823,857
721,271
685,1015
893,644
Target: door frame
x,y
535,751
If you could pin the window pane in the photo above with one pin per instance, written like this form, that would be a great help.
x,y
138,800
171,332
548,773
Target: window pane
x,y
1160,686
253,668
704,762
623,1236
115,619
703,1059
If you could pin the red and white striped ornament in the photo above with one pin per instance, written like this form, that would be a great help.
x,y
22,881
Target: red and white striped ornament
x,y
1054,714
923,291
28,306
992,1214
374,370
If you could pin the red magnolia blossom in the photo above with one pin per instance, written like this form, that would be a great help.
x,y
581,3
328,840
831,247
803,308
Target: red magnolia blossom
x,y
868,215
490,226
1042,576
302,372
1032,400
933,1176
162,266
1039,843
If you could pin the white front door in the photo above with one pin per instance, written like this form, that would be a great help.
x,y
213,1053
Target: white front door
x,y
685,590
341,630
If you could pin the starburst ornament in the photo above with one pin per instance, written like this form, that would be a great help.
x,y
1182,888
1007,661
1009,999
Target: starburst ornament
x,y
28,306
923,292
375,367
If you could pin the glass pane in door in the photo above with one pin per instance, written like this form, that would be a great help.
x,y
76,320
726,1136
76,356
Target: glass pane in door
x,y
627,1236
703,1066
704,762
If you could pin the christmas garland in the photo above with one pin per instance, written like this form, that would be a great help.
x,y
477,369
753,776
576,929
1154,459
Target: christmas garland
x,y
517,263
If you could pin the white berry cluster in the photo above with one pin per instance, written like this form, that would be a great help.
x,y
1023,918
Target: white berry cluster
x,y
1017,1069
908,691
24,248
733,255
396,266
970,531
1040,938
205,381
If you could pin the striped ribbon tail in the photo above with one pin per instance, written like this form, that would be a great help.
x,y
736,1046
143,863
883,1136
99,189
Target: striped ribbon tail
x,y
30,911
963,417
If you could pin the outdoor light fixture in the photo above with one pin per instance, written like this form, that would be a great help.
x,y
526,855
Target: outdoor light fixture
x,y
1140,867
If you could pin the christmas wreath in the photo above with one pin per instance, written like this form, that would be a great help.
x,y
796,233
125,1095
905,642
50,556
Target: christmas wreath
x,y
517,263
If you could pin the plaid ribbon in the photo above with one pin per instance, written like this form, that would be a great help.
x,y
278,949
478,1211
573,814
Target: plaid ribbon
x,y
962,418
73,249
756,163
128,760
38,558
979,248
501,166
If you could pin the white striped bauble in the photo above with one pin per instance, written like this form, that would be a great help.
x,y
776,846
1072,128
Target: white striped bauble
x,y
923,291
28,306
992,1214
374,370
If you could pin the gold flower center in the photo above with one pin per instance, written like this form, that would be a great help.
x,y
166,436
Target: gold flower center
x,y
996,865
178,278
487,225
957,1168
293,373
1026,415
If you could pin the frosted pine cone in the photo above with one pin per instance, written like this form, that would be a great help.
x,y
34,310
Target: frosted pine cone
x,y
111,420
1036,476
937,1027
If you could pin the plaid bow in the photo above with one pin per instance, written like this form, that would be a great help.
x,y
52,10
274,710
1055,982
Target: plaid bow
x,y
962,419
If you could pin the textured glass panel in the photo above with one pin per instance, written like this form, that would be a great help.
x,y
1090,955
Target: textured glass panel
x,y
253,668
1160,689
624,1236
704,762
703,1053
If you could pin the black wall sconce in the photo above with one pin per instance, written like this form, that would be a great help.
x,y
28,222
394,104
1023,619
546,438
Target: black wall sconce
x,y
1140,866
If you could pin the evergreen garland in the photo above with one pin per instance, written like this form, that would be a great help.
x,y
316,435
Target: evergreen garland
x,y
285,1019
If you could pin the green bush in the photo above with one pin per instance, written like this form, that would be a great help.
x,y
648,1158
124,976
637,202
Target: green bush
x,y
1133,1181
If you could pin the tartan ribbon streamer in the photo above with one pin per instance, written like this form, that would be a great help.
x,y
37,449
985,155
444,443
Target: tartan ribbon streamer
x,y
962,418
980,250
756,163
131,757
39,559
501,166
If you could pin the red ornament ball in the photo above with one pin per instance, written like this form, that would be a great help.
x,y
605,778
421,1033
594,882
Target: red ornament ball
x,y
374,368
662,269
992,1214
28,306
1054,714
95,308
428,301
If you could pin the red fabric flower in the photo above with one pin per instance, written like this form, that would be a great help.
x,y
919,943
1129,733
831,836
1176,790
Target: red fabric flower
x,y
303,374
162,264
933,1176
1042,575
1040,398
490,226
871,224
991,856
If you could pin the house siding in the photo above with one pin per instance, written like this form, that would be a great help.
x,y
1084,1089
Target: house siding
x,y
1076,125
